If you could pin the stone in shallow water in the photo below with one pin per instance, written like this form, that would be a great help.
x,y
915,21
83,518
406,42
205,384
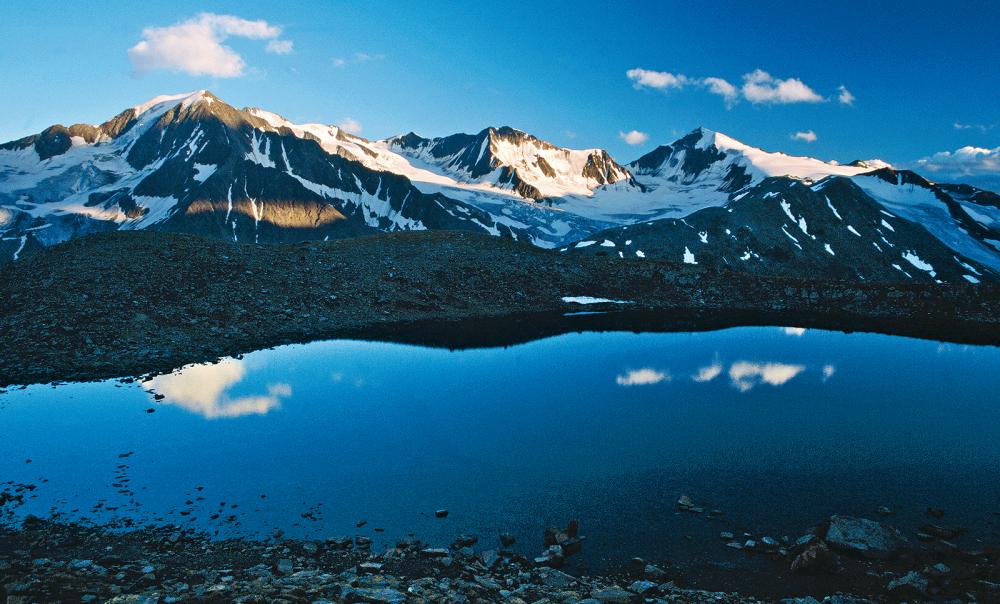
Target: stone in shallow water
x,y
912,584
654,573
489,558
465,540
864,537
641,587
816,558
383,595
613,595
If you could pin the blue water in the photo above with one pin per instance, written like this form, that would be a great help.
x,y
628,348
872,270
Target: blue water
x,y
776,428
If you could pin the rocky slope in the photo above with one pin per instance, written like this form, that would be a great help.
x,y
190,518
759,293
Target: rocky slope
x,y
126,303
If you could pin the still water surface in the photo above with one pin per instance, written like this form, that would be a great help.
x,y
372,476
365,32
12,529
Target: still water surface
x,y
777,428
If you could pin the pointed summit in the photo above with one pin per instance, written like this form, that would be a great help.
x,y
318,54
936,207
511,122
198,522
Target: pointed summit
x,y
509,159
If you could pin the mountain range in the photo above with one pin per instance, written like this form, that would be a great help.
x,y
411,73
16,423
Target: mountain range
x,y
191,163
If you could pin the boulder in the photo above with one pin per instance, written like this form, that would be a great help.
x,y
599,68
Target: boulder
x,y
815,558
864,537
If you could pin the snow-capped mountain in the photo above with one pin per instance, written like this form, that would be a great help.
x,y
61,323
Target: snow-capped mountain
x,y
508,159
727,204
192,163
783,226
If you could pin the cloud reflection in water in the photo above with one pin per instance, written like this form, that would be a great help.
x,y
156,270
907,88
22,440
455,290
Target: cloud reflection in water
x,y
745,375
203,389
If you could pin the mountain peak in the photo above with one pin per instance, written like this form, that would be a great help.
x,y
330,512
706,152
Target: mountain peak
x,y
185,99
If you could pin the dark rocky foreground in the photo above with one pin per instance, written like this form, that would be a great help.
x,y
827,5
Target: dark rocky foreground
x,y
128,303
842,560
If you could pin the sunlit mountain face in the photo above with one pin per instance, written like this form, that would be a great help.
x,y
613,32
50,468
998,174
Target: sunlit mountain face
x,y
192,163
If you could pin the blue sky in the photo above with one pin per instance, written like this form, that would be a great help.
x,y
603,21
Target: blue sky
x,y
924,77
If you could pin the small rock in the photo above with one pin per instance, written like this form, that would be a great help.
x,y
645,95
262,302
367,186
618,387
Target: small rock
x,y
489,558
941,532
816,558
805,540
910,585
641,587
441,514
654,573
383,595
555,579
284,566
507,540
613,595
465,541
938,570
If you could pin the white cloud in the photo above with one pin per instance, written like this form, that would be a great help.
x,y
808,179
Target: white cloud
x,y
708,373
984,128
761,87
804,135
660,80
279,47
633,137
195,46
844,96
358,57
203,389
745,375
758,87
794,331
349,124
828,371
966,161
642,377
722,88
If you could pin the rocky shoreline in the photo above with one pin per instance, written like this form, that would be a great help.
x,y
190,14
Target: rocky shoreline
x,y
841,560
131,303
